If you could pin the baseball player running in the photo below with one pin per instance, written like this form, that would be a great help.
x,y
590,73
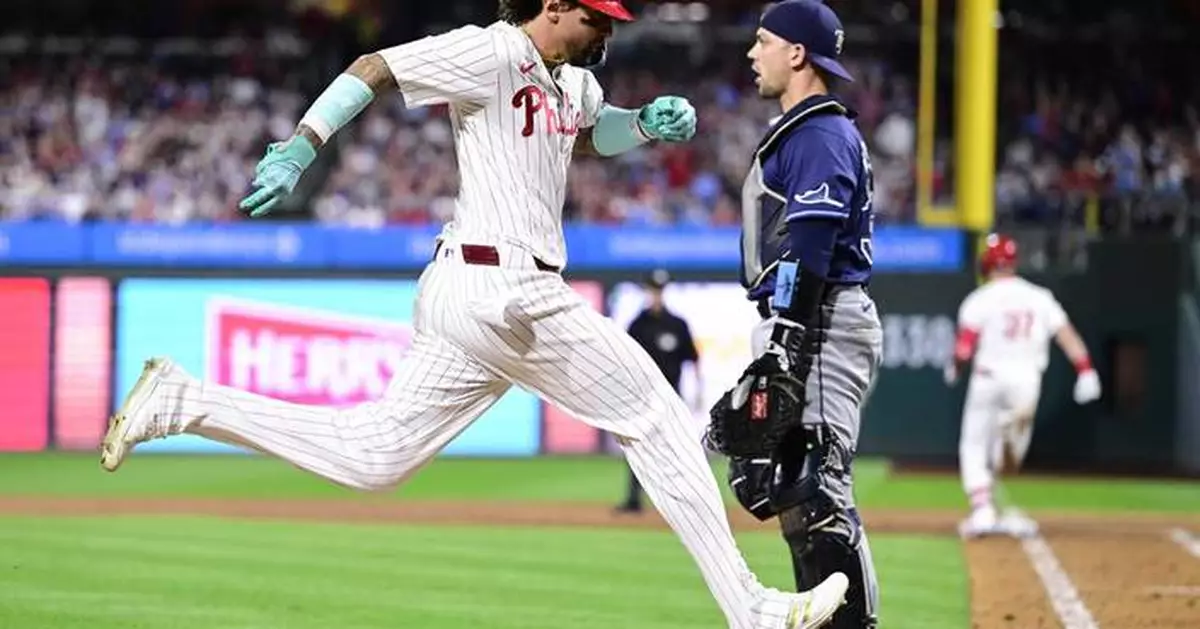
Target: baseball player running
x,y
791,424
492,309
1006,325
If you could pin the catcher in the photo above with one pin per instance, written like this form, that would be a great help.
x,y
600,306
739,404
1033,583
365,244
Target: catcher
x,y
790,425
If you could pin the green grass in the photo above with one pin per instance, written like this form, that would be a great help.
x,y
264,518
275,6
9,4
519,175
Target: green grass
x,y
878,488
132,572
579,479
219,476
183,573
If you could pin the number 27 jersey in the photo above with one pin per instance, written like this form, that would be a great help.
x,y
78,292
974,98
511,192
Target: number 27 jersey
x,y
1015,320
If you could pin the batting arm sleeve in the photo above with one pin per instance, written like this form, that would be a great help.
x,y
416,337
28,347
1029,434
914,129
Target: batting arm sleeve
x,y
616,131
460,65
335,107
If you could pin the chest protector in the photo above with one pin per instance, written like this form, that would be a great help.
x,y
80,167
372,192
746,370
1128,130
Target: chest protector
x,y
764,208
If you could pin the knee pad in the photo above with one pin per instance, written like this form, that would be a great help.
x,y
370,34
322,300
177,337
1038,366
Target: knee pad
x,y
824,536
750,480
802,470
792,476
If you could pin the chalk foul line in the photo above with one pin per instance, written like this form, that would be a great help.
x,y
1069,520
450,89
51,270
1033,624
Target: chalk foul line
x,y
1065,599
1189,542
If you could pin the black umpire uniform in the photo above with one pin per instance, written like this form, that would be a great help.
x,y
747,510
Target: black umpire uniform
x,y
668,340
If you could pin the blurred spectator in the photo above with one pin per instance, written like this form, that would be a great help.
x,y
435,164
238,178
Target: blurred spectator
x,y
1108,123
135,140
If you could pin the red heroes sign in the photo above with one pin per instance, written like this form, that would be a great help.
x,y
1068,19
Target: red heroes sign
x,y
302,355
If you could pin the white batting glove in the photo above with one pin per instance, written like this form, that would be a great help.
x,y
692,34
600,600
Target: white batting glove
x,y
1087,387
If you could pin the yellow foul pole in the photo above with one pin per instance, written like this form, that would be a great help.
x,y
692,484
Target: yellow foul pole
x,y
925,112
975,113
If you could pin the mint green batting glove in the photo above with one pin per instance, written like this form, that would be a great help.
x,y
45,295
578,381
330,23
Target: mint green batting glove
x,y
277,174
669,118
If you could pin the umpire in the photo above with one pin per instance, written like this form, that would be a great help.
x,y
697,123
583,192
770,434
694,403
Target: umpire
x,y
806,260
668,340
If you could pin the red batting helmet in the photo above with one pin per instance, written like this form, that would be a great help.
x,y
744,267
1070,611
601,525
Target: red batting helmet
x,y
611,8
999,251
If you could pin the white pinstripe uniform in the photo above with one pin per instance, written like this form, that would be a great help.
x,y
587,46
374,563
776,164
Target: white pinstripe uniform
x,y
479,329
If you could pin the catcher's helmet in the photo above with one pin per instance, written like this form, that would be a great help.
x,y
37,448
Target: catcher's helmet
x,y
611,8
1000,252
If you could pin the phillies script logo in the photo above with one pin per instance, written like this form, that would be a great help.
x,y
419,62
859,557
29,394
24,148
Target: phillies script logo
x,y
300,355
532,99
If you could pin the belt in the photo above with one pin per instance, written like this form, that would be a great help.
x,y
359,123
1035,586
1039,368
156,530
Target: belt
x,y
488,255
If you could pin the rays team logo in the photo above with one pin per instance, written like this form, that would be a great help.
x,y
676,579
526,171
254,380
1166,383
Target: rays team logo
x,y
532,100
840,37
302,355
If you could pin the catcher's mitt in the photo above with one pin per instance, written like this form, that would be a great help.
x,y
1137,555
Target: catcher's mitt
x,y
751,418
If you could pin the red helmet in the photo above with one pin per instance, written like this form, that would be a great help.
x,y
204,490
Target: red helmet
x,y
611,8
999,252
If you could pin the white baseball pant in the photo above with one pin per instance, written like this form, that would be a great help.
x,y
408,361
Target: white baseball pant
x,y
480,329
997,427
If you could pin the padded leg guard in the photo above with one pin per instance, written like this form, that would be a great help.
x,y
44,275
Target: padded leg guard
x,y
822,536
750,480
839,546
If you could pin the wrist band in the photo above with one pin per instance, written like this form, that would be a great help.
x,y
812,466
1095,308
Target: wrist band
x,y
1083,364
798,292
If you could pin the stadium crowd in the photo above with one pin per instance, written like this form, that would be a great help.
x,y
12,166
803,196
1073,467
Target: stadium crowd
x,y
175,139
140,141
1073,134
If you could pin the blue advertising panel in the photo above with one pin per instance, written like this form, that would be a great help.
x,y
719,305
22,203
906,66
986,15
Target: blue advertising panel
x,y
599,248
389,248
311,246
327,342
42,243
240,244
919,249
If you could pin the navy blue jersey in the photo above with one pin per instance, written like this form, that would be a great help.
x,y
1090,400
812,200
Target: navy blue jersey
x,y
808,198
